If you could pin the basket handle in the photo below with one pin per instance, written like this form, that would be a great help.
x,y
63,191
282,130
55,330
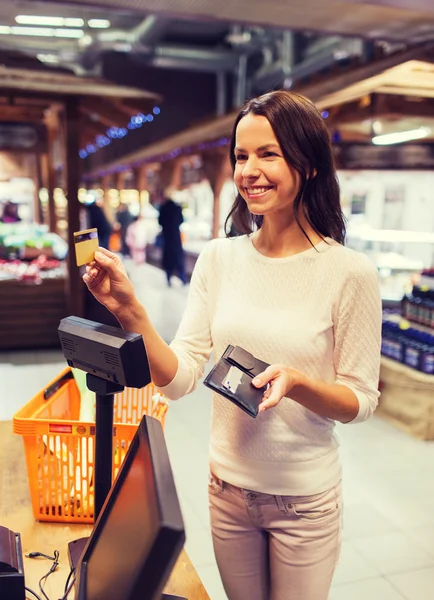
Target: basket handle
x,y
57,384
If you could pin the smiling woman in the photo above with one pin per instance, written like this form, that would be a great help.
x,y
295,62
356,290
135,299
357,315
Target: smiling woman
x,y
290,294
283,163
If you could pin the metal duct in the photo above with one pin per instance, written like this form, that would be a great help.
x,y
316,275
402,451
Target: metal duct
x,y
241,81
144,35
149,31
271,75
220,93
323,45
181,56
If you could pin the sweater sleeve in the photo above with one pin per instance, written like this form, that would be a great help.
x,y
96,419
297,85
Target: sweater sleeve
x,y
357,329
192,343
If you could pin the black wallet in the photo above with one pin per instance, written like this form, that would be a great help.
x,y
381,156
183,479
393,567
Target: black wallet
x,y
232,378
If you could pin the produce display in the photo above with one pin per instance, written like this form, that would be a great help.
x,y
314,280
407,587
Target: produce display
x,y
31,271
30,253
30,240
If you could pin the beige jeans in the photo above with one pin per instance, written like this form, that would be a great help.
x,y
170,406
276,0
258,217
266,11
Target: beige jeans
x,y
275,547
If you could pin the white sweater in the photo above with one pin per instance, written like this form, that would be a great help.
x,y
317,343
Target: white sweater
x,y
318,312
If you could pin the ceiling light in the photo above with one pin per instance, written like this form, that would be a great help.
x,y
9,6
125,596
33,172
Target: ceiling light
x,y
68,33
34,20
99,23
72,22
377,127
401,136
39,31
49,21
48,58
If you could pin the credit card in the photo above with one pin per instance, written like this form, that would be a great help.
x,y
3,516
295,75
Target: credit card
x,y
86,244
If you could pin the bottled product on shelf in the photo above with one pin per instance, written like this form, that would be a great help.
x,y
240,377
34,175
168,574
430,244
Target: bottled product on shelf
x,y
418,306
427,278
408,345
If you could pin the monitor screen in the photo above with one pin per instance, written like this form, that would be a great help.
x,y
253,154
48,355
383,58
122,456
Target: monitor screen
x,y
140,532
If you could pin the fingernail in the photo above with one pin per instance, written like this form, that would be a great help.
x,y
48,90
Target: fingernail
x,y
256,381
99,255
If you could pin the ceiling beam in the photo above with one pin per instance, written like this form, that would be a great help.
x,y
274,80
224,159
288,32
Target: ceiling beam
x,y
93,127
131,107
103,112
21,113
330,87
54,84
379,106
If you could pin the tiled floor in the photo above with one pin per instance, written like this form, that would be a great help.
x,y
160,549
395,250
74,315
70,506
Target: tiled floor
x,y
388,545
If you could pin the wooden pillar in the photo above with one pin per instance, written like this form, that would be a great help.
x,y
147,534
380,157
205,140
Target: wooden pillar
x,y
120,180
216,170
74,285
53,129
170,174
38,216
106,186
141,177
43,160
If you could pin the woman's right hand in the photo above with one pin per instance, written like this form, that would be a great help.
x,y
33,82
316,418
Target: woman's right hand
x,y
108,281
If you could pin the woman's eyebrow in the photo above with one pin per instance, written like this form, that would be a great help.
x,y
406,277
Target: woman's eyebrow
x,y
264,147
267,146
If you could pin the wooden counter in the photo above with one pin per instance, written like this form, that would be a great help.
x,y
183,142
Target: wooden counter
x,y
407,399
16,514
30,314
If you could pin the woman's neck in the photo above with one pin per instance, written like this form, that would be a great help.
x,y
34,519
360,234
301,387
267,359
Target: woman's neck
x,y
277,239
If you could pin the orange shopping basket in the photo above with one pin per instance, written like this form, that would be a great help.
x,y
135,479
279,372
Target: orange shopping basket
x,y
59,447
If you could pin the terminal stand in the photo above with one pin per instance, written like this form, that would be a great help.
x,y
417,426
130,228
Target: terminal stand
x,y
104,395
108,355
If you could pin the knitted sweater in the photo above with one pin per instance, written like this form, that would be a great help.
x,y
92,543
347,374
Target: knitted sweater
x,y
319,312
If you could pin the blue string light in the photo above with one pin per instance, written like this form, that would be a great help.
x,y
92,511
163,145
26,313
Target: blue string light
x,y
117,133
325,114
186,150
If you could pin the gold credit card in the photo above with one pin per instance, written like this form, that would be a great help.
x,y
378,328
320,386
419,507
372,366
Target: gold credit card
x,y
86,244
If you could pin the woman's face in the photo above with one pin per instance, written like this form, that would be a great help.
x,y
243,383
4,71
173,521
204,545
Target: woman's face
x,y
263,178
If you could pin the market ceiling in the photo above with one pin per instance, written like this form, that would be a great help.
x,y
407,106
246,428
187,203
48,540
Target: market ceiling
x,y
404,20
279,41
204,35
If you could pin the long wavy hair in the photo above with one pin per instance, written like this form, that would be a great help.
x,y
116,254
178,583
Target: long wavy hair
x,y
306,147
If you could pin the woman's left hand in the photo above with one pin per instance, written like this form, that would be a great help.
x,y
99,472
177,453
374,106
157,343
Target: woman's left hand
x,y
281,380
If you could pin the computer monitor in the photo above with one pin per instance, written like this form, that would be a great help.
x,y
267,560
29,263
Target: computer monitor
x,y
139,532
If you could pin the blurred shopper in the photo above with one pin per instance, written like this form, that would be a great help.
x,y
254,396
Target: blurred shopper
x,y
170,220
135,239
98,219
10,213
290,293
124,218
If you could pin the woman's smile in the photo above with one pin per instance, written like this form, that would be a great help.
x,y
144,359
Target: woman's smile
x,y
257,192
